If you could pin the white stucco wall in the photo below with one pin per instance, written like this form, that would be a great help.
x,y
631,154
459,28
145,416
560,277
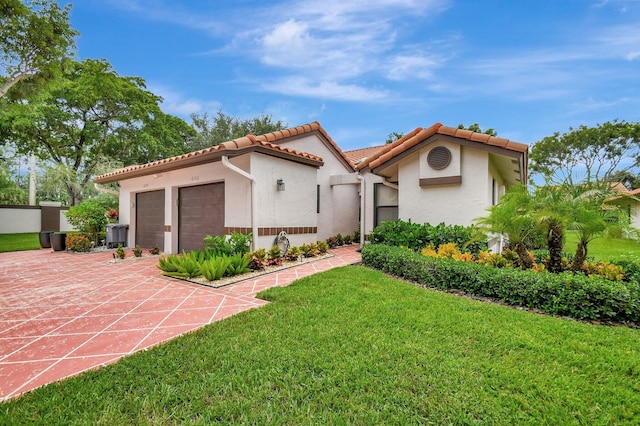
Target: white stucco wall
x,y
18,221
339,209
457,204
293,207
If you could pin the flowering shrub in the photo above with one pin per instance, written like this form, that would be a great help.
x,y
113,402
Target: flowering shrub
x,y
78,242
113,215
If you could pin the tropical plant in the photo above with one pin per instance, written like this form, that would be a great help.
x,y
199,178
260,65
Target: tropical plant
x,y
239,265
137,251
215,268
512,216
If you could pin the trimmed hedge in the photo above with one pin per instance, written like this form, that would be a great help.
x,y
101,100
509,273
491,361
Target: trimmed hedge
x,y
567,294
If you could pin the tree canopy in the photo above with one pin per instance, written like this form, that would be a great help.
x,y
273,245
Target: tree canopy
x,y
587,154
34,41
91,115
211,131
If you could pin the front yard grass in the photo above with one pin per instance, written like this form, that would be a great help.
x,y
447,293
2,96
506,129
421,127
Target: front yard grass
x,y
19,242
353,346
606,249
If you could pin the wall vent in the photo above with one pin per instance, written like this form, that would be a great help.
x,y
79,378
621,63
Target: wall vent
x,y
439,158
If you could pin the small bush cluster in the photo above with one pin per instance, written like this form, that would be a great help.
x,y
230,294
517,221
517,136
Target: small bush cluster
x,y
573,295
78,242
262,258
416,237
342,240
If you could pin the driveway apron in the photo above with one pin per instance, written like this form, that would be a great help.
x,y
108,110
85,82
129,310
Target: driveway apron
x,y
62,313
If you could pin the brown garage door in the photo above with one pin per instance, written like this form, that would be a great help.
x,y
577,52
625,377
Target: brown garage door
x,y
150,219
201,213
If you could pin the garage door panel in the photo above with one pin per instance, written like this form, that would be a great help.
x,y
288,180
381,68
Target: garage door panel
x,y
201,213
150,219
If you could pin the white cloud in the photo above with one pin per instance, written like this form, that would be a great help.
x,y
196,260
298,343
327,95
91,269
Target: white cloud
x,y
178,104
329,90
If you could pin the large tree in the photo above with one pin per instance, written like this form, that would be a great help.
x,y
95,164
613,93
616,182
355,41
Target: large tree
x,y
220,128
35,38
587,154
89,116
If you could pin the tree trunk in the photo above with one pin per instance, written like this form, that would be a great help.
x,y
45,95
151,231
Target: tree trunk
x,y
555,242
580,257
523,256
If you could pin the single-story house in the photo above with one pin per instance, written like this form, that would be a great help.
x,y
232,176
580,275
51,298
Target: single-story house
x,y
288,180
299,181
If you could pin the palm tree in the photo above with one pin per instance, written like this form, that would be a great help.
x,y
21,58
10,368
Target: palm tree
x,y
512,217
593,216
551,210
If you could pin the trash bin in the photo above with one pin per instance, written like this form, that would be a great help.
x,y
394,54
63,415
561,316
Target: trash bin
x,y
116,234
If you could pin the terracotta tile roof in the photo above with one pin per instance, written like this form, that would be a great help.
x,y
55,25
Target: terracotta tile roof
x,y
300,130
235,146
418,135
357,155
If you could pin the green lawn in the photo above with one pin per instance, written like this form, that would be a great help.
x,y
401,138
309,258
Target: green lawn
x,y
19,242
353,346
606,249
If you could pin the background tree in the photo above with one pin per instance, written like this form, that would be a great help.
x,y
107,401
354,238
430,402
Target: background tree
x,y
628,178
587,154
34,41
89,116
211,131
393,136
475,127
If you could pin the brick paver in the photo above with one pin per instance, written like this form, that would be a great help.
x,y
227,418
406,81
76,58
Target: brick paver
x,y
62,314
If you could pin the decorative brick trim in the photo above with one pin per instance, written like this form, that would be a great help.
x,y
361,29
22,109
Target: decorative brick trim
x,y
265,232
167,228
448,180
228,230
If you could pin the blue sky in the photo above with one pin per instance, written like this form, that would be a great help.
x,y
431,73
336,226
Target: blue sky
x,y
366,68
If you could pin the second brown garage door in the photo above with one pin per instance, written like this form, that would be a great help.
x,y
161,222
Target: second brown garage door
x,y
201,213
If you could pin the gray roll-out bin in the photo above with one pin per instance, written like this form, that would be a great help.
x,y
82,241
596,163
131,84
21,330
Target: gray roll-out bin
x,y
116,234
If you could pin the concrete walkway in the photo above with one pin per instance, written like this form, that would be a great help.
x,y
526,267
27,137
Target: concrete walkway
x,y
62,313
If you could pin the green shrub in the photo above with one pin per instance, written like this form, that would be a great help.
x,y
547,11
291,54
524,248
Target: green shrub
x,y
567,294
137,251
88,217
416,237
119,253
222,245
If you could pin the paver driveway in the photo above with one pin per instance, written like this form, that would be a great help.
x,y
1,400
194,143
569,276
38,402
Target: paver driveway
x,y
62,313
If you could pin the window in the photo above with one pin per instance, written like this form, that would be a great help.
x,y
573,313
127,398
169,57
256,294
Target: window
x,y
385,201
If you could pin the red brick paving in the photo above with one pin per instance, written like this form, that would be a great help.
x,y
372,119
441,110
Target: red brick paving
x,y
62,314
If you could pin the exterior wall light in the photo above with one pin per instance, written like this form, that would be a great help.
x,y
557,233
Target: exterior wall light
x,y
280,184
